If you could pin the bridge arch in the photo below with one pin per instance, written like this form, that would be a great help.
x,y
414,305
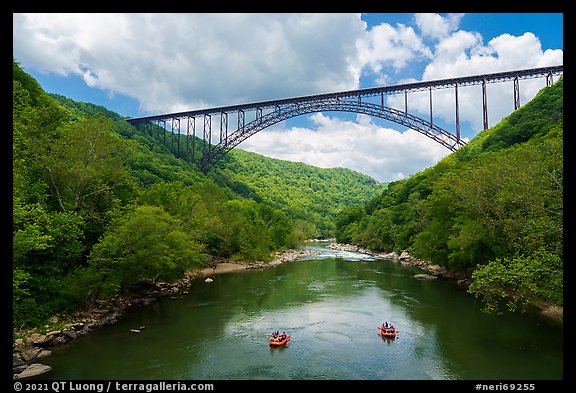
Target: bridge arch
x,y
345,101
214,153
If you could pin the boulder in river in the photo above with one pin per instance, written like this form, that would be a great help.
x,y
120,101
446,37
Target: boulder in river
x,y
33,370
425,277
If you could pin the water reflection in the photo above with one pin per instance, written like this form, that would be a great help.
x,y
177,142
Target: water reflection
x,y
331,305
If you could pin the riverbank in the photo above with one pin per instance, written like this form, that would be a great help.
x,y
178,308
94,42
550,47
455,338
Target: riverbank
x,y
406,259
551,311
33,345
225,266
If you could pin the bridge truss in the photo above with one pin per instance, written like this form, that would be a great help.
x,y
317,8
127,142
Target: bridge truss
x,y
236,123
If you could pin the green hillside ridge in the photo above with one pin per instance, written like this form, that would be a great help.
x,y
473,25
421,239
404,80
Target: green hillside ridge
x,y
494,209
310,195
99,206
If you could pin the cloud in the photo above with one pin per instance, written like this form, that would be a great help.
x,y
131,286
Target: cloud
x,y
178,62
387,45
173,62
437,26
464,53
361,145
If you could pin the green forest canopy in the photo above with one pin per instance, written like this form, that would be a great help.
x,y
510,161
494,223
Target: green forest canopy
x,y
99,206
494,209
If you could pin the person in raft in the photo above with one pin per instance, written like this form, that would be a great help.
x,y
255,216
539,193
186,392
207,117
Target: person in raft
x,y
276,336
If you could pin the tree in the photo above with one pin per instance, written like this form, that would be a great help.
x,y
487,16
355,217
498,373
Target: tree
x,y
85,165
518,281
343,221
144,243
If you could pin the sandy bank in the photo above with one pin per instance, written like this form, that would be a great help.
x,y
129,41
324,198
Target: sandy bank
x,y
227,267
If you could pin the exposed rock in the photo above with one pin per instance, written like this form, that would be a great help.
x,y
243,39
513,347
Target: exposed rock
x,y
404,255
36,338
554,312
425,277
19,369
30,353
70,333
52,340
33,370
135,331
44,354
17,361
144,301
208,280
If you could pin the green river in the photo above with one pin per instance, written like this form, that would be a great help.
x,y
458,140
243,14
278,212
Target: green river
x,y
331,305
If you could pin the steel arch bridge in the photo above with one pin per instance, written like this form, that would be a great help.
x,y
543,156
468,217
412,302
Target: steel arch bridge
x,y
246,120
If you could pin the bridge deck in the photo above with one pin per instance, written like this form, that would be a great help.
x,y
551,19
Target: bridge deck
x,y
372,91
266,113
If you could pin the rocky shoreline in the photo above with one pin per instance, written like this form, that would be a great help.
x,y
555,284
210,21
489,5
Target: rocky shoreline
x,y
437,271
28,351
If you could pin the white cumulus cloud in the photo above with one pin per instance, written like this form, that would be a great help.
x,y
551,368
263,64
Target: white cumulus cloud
x,y
464,53
361,145
437,26
177,62
172,62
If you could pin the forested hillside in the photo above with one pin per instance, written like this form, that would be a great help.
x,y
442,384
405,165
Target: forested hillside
x,y
99,206
494,209
309,195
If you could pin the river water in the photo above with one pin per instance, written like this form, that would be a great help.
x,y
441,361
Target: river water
x,y
331,305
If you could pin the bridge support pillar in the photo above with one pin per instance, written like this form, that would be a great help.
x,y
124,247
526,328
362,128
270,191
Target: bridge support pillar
x,y
431,123
224,127
405,102
163,127
484,104
549,79
191,124
516,93
457,112
176,127
207,137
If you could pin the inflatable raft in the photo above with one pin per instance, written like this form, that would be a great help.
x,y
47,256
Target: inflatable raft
x,y
276,343
390,333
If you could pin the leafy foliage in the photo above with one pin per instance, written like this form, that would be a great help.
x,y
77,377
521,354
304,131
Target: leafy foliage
x,y
495,208
302,191
100,207
146,242
517,281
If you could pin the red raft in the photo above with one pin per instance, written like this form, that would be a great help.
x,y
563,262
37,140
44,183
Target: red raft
x,y
387,332
275,343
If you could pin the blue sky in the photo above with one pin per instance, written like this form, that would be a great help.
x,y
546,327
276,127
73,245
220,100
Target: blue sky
x,y
142,64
